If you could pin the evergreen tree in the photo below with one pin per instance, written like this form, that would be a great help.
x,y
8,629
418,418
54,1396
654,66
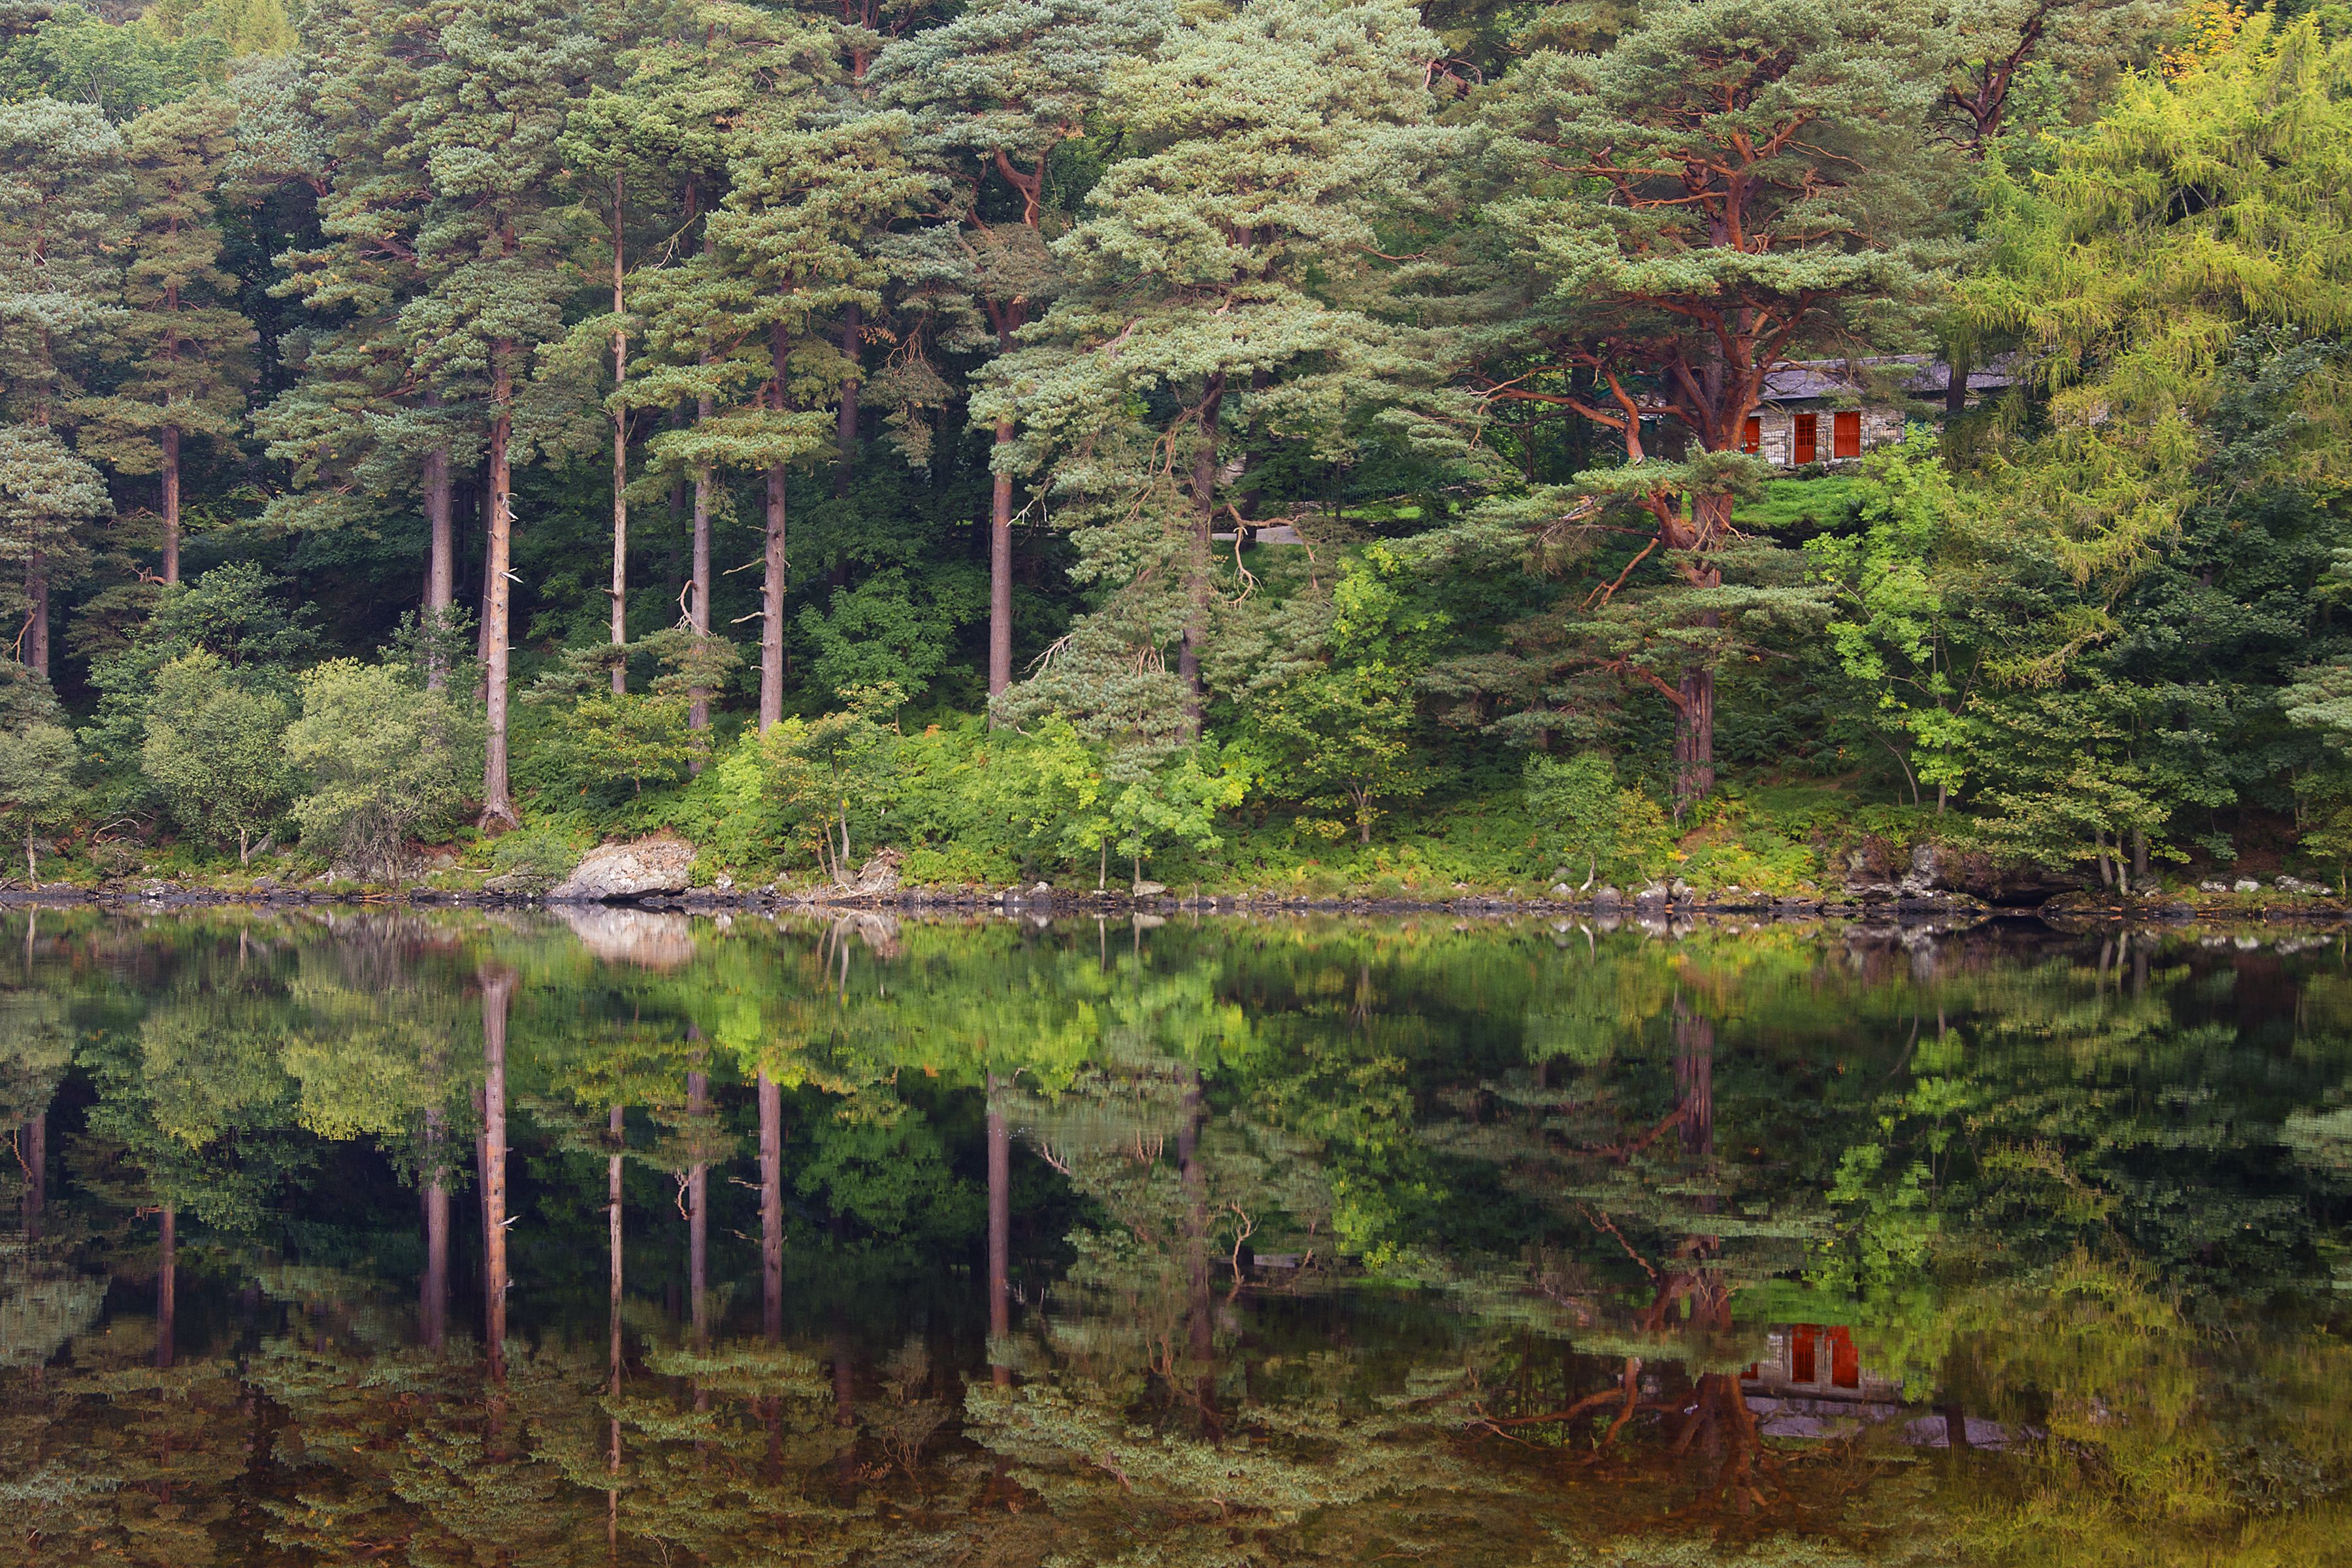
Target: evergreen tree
x,y
995,91
63,217
184,349
1731,185
496,243
1227,277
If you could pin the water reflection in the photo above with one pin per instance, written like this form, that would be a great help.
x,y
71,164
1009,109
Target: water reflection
x,y
1223,1242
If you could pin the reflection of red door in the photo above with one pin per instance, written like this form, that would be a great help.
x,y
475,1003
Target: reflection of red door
x,y
1845,433
1800,1353
1845,1364
1806,445
1751,440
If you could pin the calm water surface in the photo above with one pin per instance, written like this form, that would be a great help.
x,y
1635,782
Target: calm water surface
x,y
383,1238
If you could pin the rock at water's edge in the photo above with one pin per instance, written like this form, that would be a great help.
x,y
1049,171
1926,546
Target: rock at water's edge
x,y
626,870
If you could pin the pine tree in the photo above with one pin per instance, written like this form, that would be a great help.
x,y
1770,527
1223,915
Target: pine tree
x,y
185,349
495,244
1223,279
62,203
1732,184
995,91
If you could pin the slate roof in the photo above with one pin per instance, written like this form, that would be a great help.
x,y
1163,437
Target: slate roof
x,y
1804,379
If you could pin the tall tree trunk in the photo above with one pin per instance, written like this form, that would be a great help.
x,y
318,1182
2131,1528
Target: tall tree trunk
x,y
498,991
441,547
846,419
1000,1232
1695,734
1196,563
433,1306
167,1285
698,602
772,1208
171,444
497,806
771,582
1000,571
37,625
620,458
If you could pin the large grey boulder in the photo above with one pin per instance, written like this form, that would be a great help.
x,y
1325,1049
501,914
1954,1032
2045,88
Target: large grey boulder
x,y
625,871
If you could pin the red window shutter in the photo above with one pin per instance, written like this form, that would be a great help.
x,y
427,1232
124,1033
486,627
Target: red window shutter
x,y
1845,432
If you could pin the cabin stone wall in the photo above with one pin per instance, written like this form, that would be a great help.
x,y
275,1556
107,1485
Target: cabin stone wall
x,y
1777,432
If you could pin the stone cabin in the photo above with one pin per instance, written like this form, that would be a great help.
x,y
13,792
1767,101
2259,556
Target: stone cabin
x,y
1816,411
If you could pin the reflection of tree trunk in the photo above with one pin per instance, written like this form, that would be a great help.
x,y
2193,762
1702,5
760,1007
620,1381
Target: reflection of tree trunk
x,y
845,1393
698,1226
1199,1317
772,1208
1721,1427
433,1302
167,1285
497,991
1000,1231
497,598
1695,1080
613,1317
34,1144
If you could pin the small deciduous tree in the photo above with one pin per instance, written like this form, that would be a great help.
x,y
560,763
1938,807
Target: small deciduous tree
x,y
385,757
1339,731
816,767
215,751
36,787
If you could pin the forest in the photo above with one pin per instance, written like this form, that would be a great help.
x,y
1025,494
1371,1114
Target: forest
x,y
1312,445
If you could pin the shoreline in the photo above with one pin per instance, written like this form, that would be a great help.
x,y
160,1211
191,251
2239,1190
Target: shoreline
x,y
1956,910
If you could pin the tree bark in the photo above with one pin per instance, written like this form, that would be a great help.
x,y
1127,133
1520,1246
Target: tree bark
x,y
846,419
620,458
37,628
772,581
497,598
171,444
1000,1231
698,602
441,546
1694,733
1196,564
1000,571
498,991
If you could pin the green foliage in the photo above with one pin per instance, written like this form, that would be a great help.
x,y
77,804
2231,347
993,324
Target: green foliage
x,y
215,751
36,785
386,757
1616,835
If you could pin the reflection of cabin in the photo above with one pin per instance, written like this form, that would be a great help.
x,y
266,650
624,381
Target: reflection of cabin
x,y
1811,1383
1818,1363
1818,411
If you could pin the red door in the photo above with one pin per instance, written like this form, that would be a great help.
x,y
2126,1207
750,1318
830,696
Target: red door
x,y
1845,434
1751,440
1807,446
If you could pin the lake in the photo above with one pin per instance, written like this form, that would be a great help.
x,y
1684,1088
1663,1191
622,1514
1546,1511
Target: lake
x,y
362,1234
